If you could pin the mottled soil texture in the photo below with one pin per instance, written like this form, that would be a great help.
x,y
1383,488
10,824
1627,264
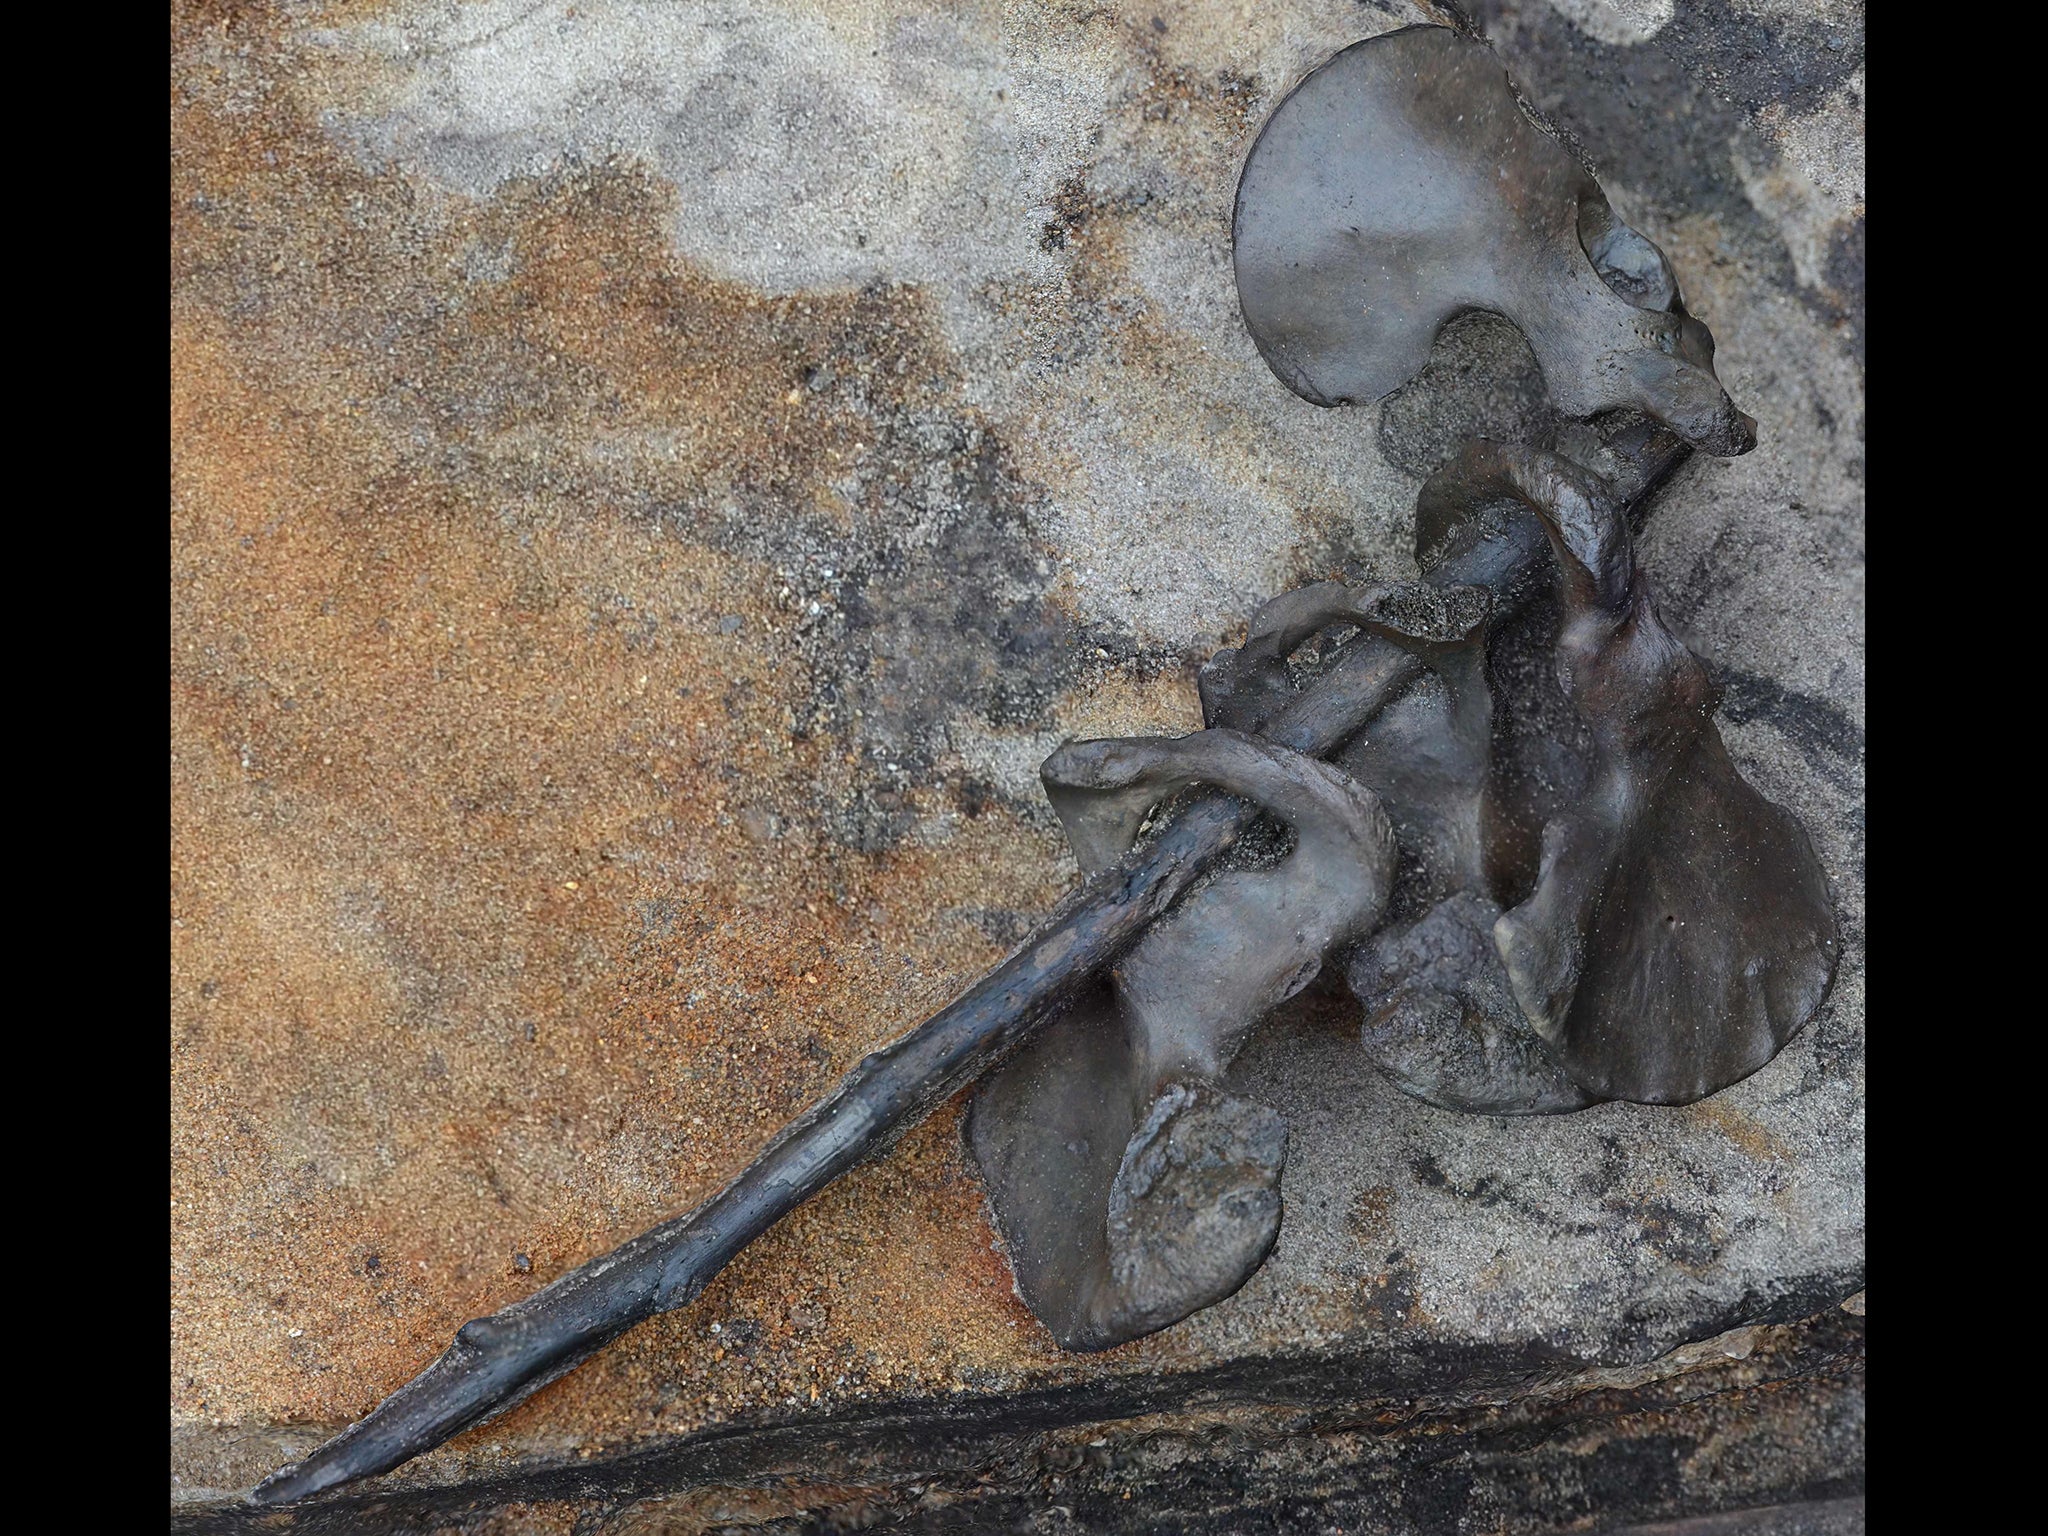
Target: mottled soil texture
x,y
650,483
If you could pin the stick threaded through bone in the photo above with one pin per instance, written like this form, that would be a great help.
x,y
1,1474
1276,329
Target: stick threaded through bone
x,y
502,1359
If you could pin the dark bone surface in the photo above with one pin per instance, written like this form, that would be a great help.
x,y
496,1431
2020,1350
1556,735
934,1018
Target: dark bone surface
x,y
1675,932
1591,904
1680,929
1401,184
